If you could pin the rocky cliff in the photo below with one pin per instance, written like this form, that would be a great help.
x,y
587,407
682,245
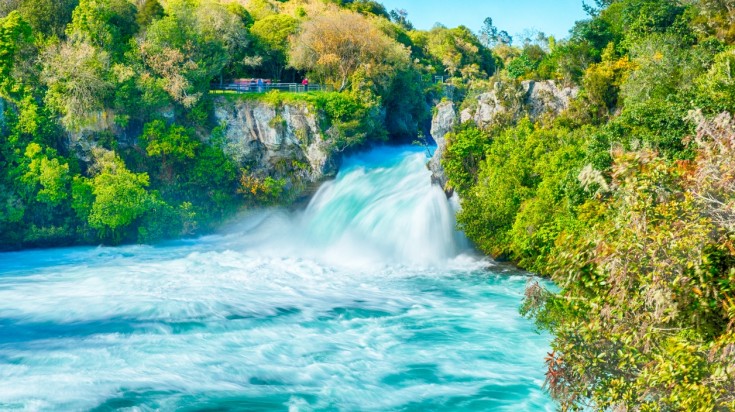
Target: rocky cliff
x,y
536,99
444,120
533,98
283,141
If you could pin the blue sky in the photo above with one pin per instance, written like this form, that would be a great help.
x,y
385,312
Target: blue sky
x,y
553,17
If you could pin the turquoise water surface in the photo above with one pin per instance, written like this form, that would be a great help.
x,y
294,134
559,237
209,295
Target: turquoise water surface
x,y
368,300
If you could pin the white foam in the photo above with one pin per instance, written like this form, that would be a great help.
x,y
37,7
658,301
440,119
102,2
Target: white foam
x,y
376,312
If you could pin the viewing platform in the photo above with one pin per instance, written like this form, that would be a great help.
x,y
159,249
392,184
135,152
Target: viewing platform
x,y
266,85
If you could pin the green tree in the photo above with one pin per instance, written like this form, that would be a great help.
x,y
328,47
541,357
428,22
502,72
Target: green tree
x,y
14,31
716,88
272,34
149,11
78,84
465,151
47,17
120,196
173,145
107,24
51,175
190,46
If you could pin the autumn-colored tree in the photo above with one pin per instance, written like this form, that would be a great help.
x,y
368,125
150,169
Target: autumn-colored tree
x,y
336,44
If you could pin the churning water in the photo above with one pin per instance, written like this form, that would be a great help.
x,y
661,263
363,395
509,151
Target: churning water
x,y
366,301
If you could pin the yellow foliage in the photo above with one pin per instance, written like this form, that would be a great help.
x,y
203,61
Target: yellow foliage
x,y
338,43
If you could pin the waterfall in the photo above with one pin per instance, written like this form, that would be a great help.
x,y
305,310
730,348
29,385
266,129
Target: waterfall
x,y
366,300
384,202
380,210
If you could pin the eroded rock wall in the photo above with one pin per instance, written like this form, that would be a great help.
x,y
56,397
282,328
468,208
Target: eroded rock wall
x,y
281,141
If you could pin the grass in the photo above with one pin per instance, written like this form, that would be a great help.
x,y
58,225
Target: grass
x,y
277,97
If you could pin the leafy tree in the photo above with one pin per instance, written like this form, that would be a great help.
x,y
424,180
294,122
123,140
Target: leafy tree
x,y
190,46
521,66
49,173
717,86
456,49
77,78
400,17
149,11
465,151
335,45
370,7
715,18
47,17
642,319
120,196
272,34
492,36
172,144
107,24
405,106
13,32
602,84
261,9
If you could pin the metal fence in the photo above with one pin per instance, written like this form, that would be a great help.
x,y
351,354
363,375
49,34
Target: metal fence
x,y
266,87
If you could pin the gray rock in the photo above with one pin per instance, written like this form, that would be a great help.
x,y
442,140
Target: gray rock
x,y
535,98
488,107
284,141
81,141
547,98
442,123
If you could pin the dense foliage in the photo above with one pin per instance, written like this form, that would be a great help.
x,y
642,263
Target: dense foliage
x,y
107,131
625,200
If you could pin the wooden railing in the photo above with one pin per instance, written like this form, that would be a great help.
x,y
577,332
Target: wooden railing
x,y
266,86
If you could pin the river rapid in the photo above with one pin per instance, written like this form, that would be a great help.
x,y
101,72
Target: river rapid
x,y
367,300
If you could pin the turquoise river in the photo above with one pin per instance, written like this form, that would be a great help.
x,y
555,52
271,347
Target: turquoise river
x,y
366,300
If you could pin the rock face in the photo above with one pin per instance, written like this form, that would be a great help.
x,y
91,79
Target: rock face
x,y
489,105
82,140
545,97
535,98
442,123
284,141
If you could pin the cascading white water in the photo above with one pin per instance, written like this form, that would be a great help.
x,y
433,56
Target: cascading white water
x,y
388,207
367,300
